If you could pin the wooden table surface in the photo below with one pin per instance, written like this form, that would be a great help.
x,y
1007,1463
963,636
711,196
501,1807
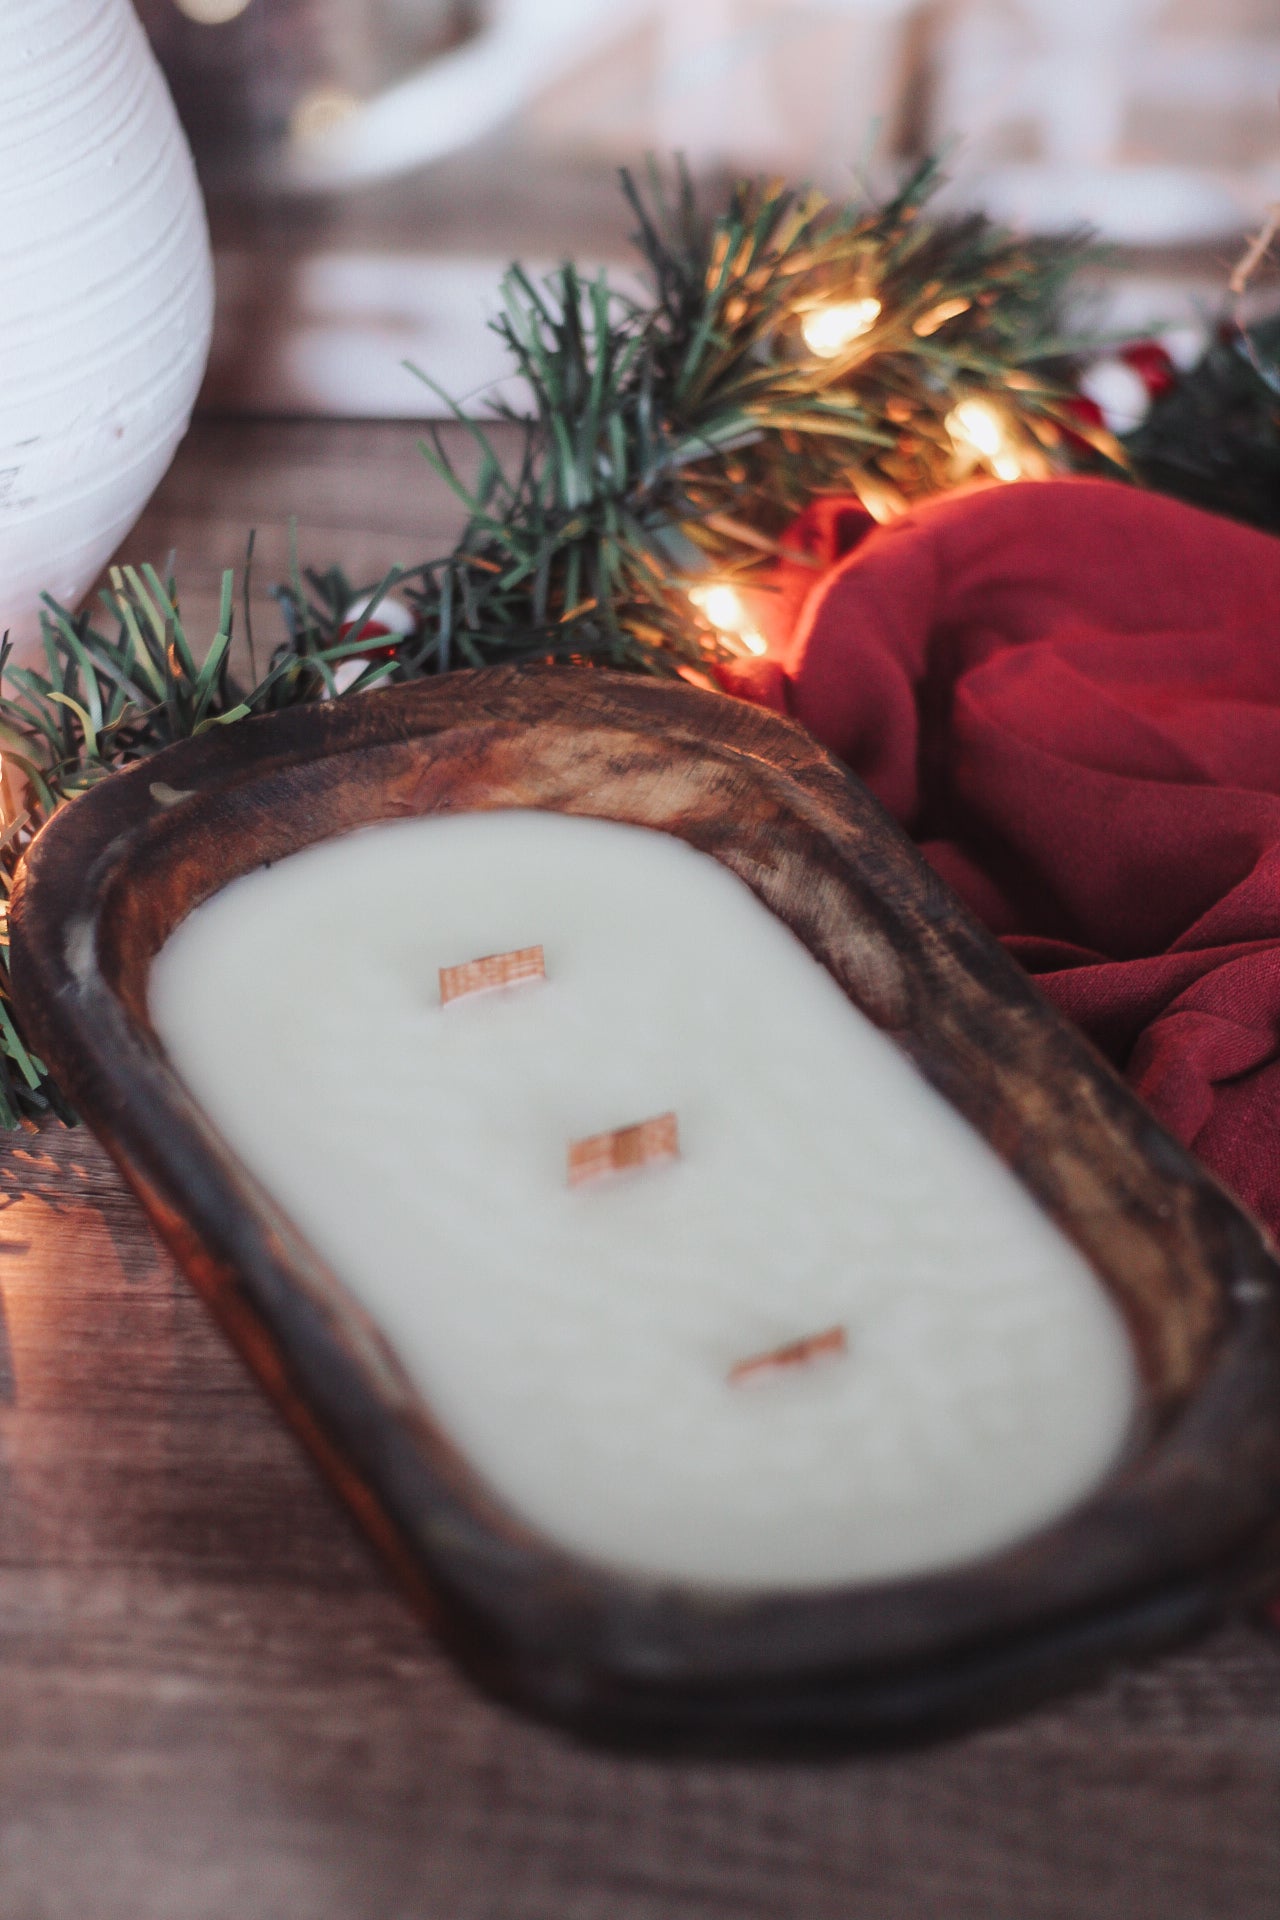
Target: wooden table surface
x,y
214,1706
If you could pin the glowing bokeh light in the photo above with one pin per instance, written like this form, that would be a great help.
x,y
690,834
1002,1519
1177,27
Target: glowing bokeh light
x,y
211,13
828,331
726,613
319,111
977,426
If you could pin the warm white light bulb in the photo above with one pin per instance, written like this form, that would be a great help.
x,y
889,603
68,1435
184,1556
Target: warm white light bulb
x,y
725,611
211,13
320,110
978,426
829,330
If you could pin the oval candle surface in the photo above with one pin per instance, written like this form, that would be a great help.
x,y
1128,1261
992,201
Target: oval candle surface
x,y
970,1379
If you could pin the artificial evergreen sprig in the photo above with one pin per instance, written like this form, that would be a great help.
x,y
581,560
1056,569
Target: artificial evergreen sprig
x,y
1214,438
671,441
738,424
666,442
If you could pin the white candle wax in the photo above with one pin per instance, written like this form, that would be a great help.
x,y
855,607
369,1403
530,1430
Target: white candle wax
x,y
576,1341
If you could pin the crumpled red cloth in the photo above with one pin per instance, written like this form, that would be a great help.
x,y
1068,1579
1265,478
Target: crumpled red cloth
x,y
1068,691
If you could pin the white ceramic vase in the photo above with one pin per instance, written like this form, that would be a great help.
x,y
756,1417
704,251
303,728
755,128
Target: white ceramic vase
x,y
106,294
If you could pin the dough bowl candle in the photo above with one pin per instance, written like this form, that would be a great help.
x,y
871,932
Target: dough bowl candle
x,y
735,1300
578,1340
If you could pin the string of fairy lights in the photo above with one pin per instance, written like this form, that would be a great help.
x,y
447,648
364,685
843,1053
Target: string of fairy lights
x,y
788,349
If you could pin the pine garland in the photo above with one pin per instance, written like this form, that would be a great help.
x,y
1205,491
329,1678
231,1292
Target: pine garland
x,y
668,444
1214,438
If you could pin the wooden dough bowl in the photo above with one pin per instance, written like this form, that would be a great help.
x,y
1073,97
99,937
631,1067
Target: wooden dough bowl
x,y
1182,1529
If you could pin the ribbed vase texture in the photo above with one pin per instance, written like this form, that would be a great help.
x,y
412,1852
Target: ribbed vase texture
x,y
106,294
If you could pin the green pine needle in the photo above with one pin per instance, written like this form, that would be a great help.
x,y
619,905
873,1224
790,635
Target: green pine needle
x,y
665,441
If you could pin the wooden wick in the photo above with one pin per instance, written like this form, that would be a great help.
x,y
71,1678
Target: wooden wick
x,y
831,1342
495,970
623,1149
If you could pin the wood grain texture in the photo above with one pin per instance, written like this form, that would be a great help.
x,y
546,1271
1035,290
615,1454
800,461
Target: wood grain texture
x,y
492,973
213,1703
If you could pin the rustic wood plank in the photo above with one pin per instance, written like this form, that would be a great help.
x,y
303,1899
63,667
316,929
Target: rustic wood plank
x,y
363,497
214,1704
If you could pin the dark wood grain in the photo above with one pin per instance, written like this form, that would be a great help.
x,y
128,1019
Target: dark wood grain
x,y
213,1704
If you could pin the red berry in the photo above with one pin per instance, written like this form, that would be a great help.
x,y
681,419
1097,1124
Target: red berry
x,y
1087,411
1152,365
373,631
390,623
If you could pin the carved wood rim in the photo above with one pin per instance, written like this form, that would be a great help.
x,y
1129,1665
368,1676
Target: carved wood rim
x,y
1162,1545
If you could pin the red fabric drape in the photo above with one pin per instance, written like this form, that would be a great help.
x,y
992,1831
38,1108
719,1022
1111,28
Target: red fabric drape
x,y
1069,692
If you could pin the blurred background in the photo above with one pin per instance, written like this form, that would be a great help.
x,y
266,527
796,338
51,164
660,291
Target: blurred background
x,y
372,165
